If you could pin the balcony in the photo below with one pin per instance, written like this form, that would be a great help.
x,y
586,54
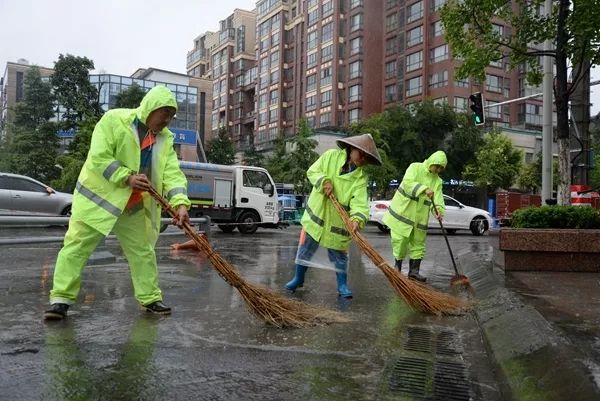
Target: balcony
x,y
226,35
196,55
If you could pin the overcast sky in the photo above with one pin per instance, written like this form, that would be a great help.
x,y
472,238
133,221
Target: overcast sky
x,y
120,36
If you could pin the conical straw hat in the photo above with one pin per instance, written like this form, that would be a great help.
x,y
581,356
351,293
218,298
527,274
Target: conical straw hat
x,y
364,143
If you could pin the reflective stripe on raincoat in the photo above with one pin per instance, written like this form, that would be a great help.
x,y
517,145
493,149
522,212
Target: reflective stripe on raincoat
x,y
101,192
410,206
320,219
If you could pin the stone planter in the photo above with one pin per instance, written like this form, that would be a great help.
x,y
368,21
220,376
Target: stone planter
x,y
550,249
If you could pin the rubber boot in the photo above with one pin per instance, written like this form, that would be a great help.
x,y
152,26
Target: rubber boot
x,y
399,265
342,287
298,279
413,270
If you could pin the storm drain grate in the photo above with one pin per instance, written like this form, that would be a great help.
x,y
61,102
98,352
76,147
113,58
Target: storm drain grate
x,y
418,339
448,343
450,382
409,376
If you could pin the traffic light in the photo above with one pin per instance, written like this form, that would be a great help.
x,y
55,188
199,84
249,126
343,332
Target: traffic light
x,y
477,107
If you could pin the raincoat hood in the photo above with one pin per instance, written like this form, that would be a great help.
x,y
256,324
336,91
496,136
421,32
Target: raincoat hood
x,y
157,97
438,157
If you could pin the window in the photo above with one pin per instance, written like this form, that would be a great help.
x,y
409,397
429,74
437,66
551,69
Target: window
x,y
326,53
437,29
275,39
325,119
498,29
327,8
391,22
414,61
462,83
390,69
438,79
493,112
327,32
262,101
355,69
311,102
262,118
460,104
274,59
255,179
326,76
356,22
20,184
355,93
414,86
440,101
274,96
311,82
390,93
356,46
273,115
326,98
414,36
313,16
415,11
391,45
439,53
353,115
355,3
312,40
437,4
311,60
274,77
493,83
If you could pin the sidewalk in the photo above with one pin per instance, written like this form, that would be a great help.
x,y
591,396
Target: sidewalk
x,y
542,329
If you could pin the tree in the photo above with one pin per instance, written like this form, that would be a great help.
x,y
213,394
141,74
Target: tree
x,y
301,157
572,27
130,98
220,150
252,157
497,163
277,163
73,90
461,145
32,144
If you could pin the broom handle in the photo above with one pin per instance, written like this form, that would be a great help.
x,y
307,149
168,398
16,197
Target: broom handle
x,y
445,237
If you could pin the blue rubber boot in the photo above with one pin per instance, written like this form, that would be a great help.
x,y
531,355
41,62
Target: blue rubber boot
x,y
298,279
342,287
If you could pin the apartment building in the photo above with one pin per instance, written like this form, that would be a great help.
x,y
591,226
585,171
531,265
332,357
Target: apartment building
x,y
335,62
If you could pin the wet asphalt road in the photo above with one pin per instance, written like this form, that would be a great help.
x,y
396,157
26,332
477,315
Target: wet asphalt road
x,y
211,348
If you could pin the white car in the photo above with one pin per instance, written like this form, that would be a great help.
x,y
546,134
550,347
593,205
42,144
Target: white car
x,y
457,217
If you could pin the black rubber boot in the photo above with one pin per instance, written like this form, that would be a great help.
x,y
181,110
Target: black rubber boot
x,y
56,312
413,270
398,265
158,308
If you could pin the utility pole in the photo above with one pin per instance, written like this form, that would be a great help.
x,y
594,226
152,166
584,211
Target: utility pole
x,y
548,126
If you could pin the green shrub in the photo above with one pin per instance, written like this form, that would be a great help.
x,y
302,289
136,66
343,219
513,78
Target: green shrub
x,y
556,217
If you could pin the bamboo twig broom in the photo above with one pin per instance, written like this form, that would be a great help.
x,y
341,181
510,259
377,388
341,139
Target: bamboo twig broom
x,y
414,293
265,304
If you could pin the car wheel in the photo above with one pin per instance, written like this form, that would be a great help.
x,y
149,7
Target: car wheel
x,y
383,228
67,211
246,220
450,231
479,225
226,229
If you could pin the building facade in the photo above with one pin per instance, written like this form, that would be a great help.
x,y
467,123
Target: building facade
x,y
335,62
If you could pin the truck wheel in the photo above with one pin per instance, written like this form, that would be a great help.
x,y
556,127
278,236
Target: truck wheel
x,y
245,218
227,229
479,225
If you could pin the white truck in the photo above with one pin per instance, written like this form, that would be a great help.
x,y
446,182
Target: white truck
x,y
241,197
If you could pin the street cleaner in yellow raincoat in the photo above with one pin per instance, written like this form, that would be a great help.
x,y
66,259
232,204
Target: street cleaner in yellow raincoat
x,y
337,171
130,150
408,214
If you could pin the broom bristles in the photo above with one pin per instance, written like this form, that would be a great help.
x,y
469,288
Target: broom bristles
x,y
265,304
414,293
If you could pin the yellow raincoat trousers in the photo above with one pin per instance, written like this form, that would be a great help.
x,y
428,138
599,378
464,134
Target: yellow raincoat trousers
x,y
101,195
408,214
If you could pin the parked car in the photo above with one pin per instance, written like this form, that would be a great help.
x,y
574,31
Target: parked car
x,y
457,217
21,195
